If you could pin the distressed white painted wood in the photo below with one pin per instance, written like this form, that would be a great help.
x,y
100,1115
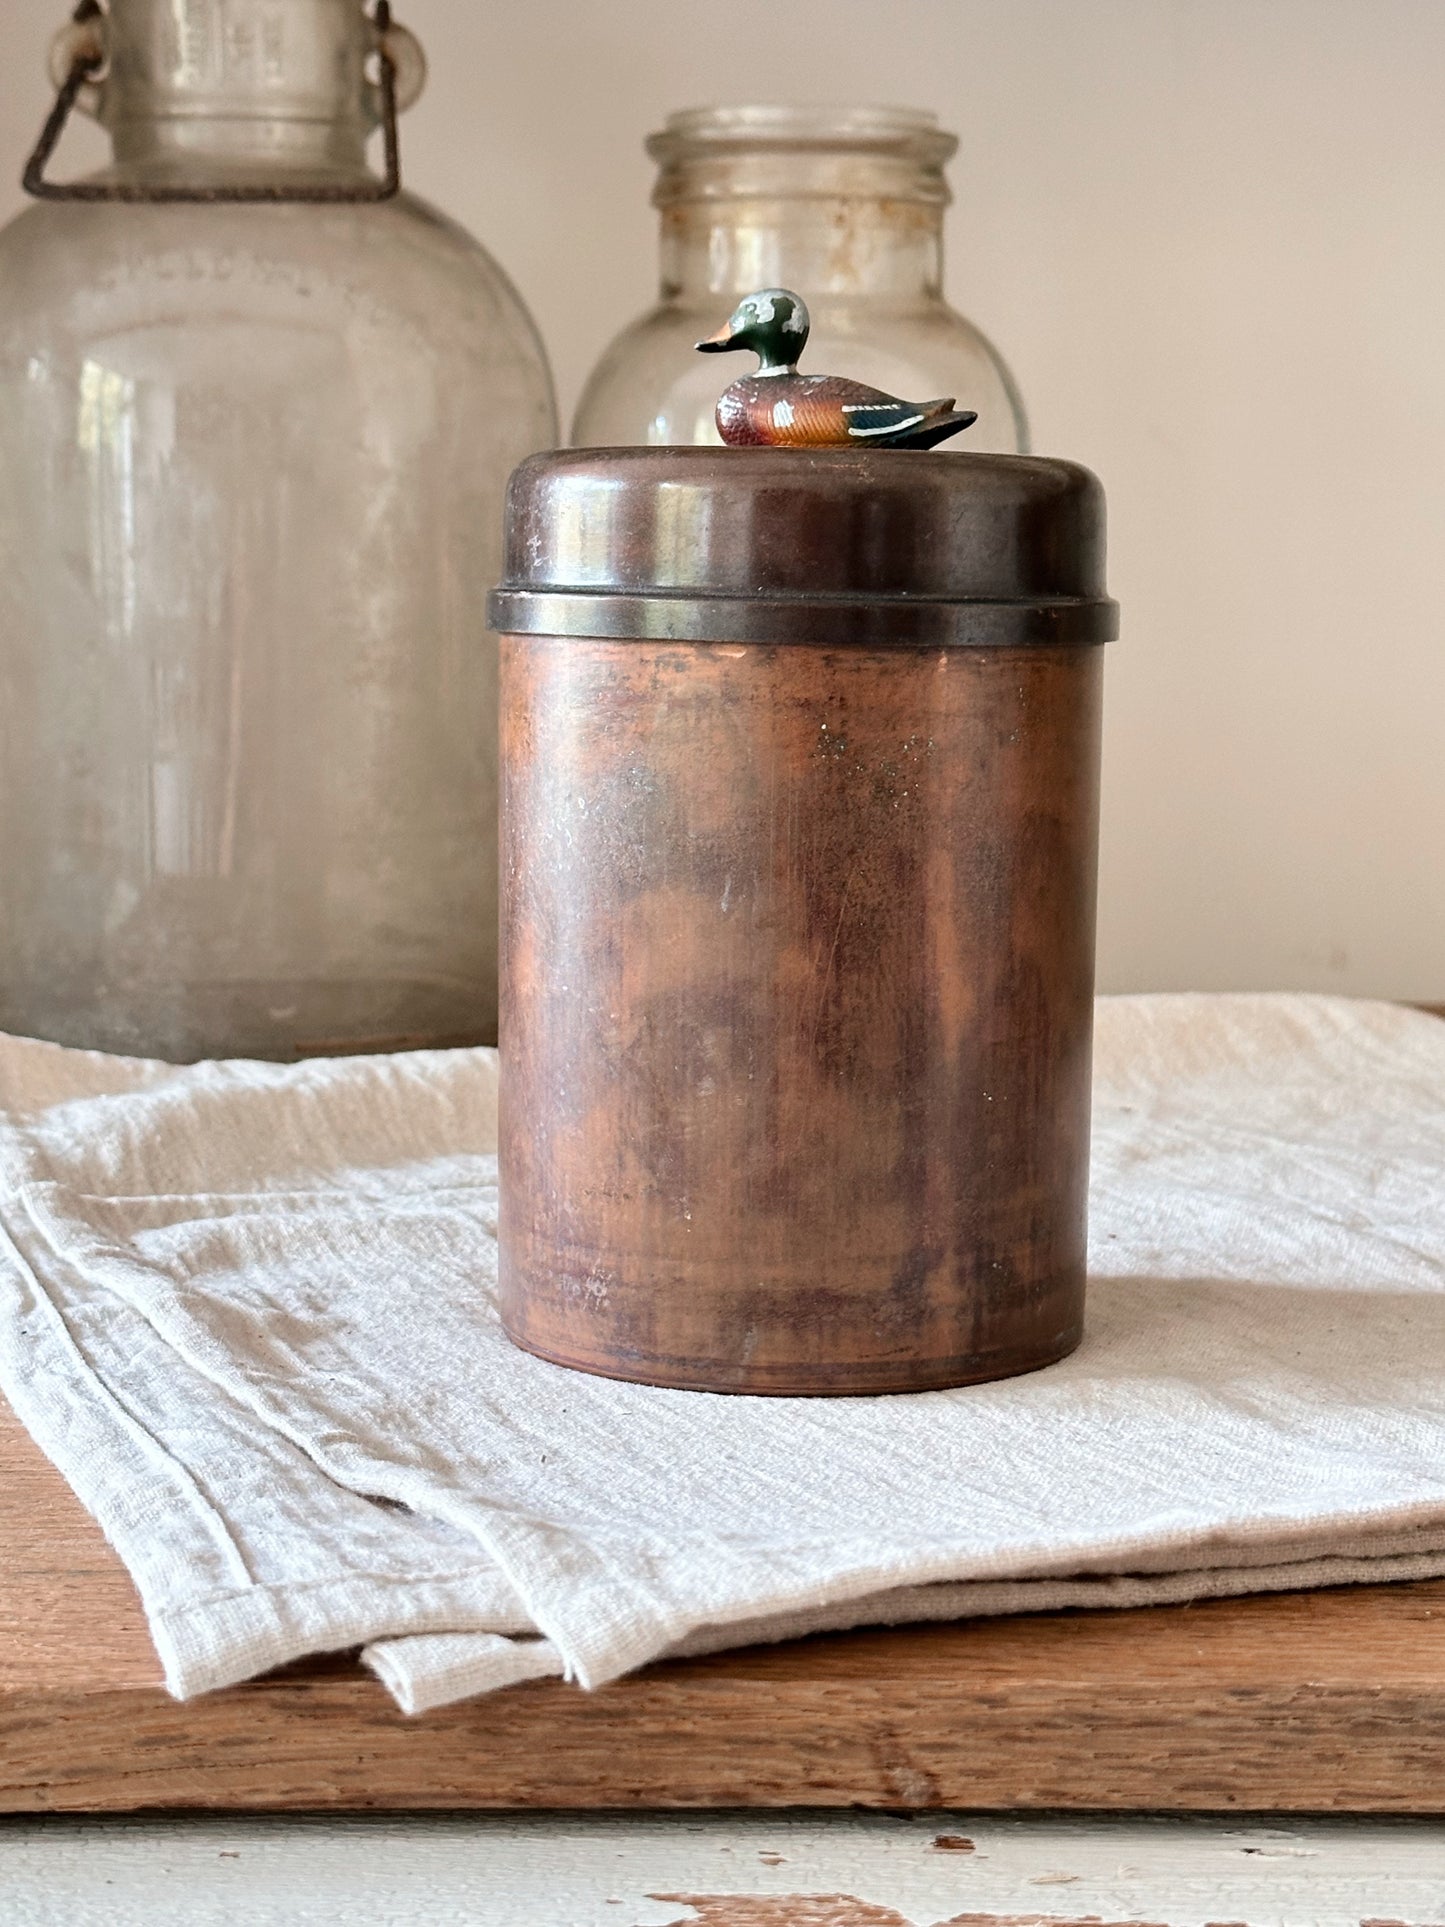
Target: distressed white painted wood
x,y
566,1871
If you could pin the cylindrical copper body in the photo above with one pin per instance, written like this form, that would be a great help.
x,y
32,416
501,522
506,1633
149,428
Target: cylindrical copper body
x,y
797,943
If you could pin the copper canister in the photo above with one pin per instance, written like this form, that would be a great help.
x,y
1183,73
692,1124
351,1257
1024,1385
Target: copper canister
x,y
800,766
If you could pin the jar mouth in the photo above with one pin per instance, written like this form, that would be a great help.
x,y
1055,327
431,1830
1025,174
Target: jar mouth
x,y
716,155
906,133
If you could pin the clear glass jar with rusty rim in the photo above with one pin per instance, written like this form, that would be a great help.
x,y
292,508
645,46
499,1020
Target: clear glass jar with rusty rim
x,y
257,411
843,204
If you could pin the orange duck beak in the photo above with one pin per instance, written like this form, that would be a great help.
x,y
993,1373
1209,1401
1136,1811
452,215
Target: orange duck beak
x,y
719,343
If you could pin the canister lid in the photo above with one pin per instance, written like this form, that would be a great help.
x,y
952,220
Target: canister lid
x,y
842,546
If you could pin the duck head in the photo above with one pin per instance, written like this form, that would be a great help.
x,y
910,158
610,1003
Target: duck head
x,y
773,323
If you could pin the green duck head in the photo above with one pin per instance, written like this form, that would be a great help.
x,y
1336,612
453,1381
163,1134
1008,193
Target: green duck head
x,y
773,323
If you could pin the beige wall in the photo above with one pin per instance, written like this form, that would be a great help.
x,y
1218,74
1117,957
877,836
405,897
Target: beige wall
x,y
1210,237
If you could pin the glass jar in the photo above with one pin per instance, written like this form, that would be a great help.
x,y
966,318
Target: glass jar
x,y
842,204
252,459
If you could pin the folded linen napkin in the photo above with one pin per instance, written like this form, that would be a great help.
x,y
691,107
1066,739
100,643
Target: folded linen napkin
x,y
248,1311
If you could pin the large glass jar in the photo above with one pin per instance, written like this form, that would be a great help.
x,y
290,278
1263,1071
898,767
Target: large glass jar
x,y
844,205
252,459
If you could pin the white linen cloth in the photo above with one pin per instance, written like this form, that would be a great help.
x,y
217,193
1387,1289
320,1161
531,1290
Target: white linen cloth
x,y
248,1311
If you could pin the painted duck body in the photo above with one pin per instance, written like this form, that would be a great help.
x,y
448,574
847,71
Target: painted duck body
x,y
821,411
779,408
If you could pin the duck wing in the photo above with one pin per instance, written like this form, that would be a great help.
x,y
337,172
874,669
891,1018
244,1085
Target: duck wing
x,y
882,416
904,424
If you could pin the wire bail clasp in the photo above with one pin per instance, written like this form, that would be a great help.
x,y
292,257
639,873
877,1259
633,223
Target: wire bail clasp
x,y
78,58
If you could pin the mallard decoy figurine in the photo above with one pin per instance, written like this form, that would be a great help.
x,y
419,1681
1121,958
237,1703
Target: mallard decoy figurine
x,y
779,408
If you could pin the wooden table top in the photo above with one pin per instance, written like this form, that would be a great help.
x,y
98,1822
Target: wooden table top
x,y
1324,1701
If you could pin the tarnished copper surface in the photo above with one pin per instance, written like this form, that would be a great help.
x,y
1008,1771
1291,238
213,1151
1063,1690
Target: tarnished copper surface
x,y
874,547
797,975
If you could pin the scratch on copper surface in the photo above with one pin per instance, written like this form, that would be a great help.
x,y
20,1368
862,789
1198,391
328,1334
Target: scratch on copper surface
x,y
833,953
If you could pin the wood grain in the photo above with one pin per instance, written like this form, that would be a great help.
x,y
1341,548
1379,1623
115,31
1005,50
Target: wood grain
x,y
1326,1701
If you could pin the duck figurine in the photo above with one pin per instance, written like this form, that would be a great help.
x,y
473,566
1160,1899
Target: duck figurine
x,y
779,408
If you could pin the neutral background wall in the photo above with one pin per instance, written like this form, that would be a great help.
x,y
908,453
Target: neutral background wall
x,y
1209,235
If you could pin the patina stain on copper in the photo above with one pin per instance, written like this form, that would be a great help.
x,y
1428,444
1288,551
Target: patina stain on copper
x,y
798,958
